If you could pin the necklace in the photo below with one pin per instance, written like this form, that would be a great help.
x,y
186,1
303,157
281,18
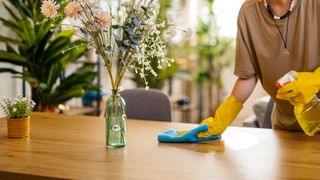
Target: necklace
x,y
267,5
274,18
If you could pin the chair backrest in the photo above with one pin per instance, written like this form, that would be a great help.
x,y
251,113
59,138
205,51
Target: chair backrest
x,y
267,117
147,104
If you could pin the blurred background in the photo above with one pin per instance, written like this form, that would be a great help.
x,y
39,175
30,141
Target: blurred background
x,y
202,43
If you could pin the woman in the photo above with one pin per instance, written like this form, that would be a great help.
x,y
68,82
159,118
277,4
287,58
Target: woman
x,y
274,37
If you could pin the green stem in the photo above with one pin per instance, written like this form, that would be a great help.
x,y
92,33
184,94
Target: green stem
x,y
99,45
124,68
120,67
104,57
109,69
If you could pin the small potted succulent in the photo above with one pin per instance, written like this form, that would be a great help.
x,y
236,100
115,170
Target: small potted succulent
x,y
18,111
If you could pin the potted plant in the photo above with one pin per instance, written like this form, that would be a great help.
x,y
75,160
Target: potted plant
x,y
43,54
18,111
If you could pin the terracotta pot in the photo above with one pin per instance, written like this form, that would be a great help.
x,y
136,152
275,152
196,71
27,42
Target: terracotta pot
x,y
18,128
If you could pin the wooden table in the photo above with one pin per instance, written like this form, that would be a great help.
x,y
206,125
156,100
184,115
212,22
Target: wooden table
x,y
73,147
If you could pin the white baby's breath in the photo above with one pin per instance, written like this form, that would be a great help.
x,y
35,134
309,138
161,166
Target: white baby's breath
x,y
18,107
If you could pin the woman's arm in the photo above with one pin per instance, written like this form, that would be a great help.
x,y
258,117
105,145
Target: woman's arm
x,y
243,88
230,108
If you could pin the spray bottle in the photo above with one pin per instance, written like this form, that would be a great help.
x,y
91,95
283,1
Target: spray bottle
x,y
308,115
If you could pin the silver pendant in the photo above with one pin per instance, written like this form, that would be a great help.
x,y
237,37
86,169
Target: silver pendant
x,y
286,52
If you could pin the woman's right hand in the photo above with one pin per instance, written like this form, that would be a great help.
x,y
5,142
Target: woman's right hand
x,y
224,116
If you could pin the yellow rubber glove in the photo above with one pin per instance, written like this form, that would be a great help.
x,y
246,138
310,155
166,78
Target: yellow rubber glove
x,y
224,116
310,120
302,90
301,93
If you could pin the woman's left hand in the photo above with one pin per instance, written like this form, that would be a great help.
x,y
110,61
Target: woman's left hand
x,y
302,90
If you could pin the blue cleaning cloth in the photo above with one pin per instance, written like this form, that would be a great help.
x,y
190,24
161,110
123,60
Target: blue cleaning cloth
x,y
170,136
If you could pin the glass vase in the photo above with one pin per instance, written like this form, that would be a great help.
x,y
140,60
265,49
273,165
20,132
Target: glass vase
x,y
115,120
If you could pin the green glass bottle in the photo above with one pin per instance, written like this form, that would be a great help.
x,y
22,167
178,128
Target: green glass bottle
x,y
115,120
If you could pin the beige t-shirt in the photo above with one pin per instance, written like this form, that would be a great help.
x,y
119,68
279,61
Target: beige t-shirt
x,y
259,50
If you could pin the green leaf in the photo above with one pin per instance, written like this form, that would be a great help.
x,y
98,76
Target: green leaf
x,y
43,40
54,73
36,4
29,34
9,40
12,25
60,98
13,15
129,30
23,9
43,86
65,33
116,26
82,76
91,87
82,80
9,70
54,50
74,53
10,49
30,78
12,58
136,21
42,31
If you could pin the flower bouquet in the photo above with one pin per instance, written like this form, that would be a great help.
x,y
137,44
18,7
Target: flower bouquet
x,y
18,111
125,37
